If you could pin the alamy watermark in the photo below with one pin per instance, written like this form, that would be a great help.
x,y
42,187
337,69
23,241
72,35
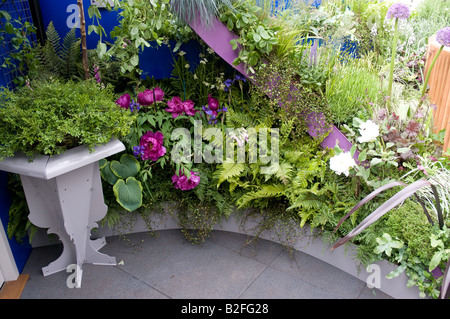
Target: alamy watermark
x,y
262,145
374,279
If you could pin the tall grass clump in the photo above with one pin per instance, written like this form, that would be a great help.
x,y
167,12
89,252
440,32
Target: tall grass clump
x,y
353,88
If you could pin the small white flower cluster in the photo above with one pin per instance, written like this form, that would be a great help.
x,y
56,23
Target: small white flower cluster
x,y
241,137
343,162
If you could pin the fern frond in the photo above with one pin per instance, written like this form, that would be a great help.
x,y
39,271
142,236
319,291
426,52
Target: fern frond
x,y
69,54
265,192
227,170
284,172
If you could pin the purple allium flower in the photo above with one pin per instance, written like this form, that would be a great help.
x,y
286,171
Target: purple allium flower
x,y
151,146
124,101
177,107
399,11
183,183
443,36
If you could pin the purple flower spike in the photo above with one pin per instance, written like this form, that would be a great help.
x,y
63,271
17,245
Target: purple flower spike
x,y
443,36
399,11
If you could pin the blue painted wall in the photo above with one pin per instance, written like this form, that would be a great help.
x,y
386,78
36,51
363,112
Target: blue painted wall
x,y
20,251
64,14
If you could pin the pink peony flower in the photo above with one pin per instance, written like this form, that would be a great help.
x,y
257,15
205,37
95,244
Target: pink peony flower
x,y
124,101
148,97
399,11
159,94
177,107
151,146
183,183
443,36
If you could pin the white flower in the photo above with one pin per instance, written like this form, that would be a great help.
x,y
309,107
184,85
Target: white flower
x,y
369,132
241,138
181,53
342,163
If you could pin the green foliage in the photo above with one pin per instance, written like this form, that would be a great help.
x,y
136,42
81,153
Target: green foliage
x,y
21,56
142,24
121,175
19,226
194,10
52,117
256,37
353,88
56,59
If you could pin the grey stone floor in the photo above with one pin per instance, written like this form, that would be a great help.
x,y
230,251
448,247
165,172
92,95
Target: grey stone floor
x,y
166,266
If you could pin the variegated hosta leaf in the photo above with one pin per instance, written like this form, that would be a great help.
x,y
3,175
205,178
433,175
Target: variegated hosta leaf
x,y
127,167
128,193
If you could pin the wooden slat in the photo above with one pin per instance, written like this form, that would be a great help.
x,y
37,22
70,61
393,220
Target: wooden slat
x,y
440,88
13,289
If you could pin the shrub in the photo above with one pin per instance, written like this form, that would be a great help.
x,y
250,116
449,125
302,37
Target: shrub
x,y
52,117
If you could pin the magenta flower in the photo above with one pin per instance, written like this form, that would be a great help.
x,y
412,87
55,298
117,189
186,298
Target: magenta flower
x,y
151,146
188,107
183,183
148,97
399,11
97,73
177,107
213,103
443,36
124,101
159,94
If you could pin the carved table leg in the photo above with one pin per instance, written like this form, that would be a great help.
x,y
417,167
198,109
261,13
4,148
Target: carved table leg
x,y
69,205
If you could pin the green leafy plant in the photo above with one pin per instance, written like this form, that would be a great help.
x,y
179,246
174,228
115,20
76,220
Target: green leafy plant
x,y
121,175
256,36
56,58
142,24
49,118
21,55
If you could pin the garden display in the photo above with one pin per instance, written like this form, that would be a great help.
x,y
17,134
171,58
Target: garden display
x,y
308,117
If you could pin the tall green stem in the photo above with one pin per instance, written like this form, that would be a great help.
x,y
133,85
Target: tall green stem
x,y
391,74
425,84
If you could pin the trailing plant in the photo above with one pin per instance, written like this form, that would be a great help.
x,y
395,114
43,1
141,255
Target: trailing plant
x,y
256,37
21,54
49,118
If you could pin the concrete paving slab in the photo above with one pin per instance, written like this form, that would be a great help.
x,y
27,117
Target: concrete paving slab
x,y
167,266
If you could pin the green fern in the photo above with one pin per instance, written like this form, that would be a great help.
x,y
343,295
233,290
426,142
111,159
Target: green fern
x,y
59,59
227,170
265,192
